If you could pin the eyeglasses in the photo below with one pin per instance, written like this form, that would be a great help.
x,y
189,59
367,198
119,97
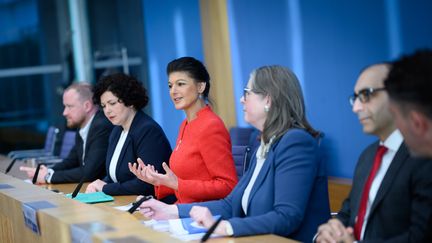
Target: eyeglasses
x,y
364,95
246,92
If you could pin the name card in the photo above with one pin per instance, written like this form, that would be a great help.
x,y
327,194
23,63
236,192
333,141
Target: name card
x,y
83,232
129,239
30,213
5,186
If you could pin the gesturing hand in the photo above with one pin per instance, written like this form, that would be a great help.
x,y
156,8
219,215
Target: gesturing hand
x,y
140,170
148,174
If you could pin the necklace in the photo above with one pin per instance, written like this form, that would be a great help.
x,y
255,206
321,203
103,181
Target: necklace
x,y
181,136
264,148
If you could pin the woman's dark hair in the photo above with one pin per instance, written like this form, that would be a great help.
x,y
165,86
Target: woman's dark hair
x,y
127,88
194,68
409,82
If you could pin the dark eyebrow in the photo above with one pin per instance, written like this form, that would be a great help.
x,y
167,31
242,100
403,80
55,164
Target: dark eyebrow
x,y
369,89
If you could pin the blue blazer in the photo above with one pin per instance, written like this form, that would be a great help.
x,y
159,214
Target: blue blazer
x,y
145,140
289,197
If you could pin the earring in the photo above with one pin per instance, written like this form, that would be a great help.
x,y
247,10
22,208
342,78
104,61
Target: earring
x,y
200,96
266,108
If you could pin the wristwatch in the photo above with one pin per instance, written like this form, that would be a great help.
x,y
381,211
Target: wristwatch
x,y
48,176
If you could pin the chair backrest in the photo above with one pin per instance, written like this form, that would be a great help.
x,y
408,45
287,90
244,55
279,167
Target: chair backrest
x,y
240,155
51,138
67,143
240,135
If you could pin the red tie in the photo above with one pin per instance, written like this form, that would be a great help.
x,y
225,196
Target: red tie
x,y
365,195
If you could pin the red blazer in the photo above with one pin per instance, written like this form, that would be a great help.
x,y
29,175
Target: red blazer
x,y
202,160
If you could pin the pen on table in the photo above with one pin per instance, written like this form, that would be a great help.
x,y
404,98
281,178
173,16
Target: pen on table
x,y
87,170
211,230
35,176
78,188
136,204
10,166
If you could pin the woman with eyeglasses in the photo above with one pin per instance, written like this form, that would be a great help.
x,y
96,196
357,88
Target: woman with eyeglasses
x,y
201,164
135,135
284,192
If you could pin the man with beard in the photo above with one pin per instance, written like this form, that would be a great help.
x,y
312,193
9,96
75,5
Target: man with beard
x,y
87,157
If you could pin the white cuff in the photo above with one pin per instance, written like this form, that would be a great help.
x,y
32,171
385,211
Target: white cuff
x,y
228,228
49,175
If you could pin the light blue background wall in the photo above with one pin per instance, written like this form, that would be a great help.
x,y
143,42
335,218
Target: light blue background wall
x,y
172,30
339,40
326,44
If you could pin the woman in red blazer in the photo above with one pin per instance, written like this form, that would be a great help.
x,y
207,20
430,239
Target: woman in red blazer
x,y
201,164
284,191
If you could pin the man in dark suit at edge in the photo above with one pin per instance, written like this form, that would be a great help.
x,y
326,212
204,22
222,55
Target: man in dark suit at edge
x,y
87,157
409,84
388,201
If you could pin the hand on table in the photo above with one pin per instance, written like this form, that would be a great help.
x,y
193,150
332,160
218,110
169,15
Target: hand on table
x,y
30,171
334,232
204,217
95,186
158,210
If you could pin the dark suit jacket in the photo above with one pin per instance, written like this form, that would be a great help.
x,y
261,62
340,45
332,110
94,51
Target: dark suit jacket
x,y
145,140
289,196
401,210
73,168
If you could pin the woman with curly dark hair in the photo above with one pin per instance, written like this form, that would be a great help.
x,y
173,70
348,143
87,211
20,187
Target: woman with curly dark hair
x,y
135,135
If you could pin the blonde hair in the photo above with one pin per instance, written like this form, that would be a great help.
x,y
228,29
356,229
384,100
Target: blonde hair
x,y
287,104
83,89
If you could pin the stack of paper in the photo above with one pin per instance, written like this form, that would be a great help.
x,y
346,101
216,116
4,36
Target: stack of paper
x,y
184,229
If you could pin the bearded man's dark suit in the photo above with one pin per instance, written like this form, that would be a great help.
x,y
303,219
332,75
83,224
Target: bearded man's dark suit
x,y
74,167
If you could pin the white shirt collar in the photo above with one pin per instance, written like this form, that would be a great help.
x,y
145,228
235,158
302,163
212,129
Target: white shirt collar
x,y
85,130
394,141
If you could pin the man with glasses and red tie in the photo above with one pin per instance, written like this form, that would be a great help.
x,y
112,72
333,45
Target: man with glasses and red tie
x,y
388,201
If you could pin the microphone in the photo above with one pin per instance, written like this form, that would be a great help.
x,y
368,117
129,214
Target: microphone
x,y
10,166
211,230
35,176
86,174
78,188
136,204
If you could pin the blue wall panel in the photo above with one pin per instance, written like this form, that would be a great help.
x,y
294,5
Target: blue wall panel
x,y
328,45
338,42
416,24
172,30
256,40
